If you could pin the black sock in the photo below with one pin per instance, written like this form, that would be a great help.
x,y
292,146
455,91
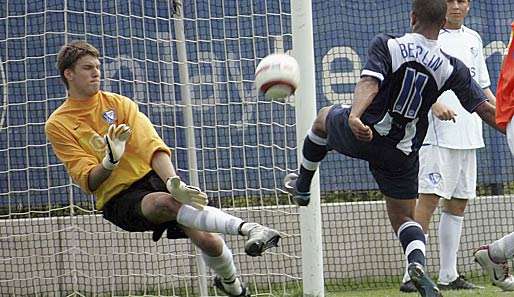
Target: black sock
x,y
416,256
412,233
314,150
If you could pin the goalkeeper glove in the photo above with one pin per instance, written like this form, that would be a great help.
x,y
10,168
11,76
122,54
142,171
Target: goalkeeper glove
x,y
186,194
115,141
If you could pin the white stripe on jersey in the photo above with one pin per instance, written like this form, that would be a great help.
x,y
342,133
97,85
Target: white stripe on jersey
x,y
384,126
415,47
373,74
405,145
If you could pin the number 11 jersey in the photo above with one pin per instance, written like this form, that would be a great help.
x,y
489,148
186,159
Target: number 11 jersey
x,y
413,71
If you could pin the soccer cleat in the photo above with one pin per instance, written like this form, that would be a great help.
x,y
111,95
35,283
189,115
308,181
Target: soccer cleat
x,y
301,198
408,287
498,272
218,283
261,238
426,287
460,283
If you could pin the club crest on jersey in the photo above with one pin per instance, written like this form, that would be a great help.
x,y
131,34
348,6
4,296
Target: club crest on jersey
x,y
109,116
474,51
434,177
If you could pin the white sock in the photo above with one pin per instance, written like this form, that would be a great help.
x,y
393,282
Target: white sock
x,y
406,276
502,249
450,230
209,219
223,266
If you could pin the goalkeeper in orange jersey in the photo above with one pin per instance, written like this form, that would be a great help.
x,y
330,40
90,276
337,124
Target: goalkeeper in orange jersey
x,y
112,150
493,257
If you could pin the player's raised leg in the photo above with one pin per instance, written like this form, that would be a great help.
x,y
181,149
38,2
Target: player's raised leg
x,y
160,208
313,151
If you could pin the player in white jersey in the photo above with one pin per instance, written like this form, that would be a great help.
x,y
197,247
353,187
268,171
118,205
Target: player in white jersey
x,y
448,156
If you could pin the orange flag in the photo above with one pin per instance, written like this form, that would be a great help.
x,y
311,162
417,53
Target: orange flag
x,y
505,90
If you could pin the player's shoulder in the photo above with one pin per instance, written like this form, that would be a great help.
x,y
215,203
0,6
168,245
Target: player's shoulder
x,y
458,65
384,37
56,118
381,40
51,121
115,98
471,34
58,113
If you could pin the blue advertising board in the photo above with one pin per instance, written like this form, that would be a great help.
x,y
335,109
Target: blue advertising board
x,y
239,137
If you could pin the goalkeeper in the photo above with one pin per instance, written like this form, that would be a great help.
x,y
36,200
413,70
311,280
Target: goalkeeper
x,y
112,150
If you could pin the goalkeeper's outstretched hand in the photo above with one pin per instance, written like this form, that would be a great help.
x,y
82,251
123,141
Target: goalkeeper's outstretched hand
x,y
115,141
186,194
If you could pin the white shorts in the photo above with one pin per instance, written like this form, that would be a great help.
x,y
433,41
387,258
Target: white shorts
x,y
447,172
510,135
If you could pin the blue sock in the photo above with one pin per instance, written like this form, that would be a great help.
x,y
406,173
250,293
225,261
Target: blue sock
x,y
314,150
413,242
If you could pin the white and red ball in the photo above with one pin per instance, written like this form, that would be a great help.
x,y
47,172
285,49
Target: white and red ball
x,y
277,76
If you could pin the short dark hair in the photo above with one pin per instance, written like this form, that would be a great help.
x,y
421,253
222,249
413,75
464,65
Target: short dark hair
x,y
430,12
71,52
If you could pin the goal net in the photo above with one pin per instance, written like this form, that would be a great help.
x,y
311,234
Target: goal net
x,y
371,255
190,68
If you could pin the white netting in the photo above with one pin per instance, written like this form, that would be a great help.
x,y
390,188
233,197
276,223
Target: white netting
x,y
193,77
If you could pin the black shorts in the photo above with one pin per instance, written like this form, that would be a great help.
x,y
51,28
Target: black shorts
x,y
395,172
124,209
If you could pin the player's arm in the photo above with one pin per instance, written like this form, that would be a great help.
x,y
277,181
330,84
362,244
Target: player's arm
x,y
443,112
162,165
471,96
76,160
180,191
490,96
115,141
365,91
378,66
482,73
152,149
487,113
97,176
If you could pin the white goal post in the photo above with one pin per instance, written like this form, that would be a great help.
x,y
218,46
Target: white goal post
x,y
305,102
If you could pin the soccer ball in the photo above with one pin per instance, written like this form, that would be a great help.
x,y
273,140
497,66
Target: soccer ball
x,y
277,76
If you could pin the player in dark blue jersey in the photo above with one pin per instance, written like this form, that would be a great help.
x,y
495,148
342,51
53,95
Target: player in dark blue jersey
x,y
387,123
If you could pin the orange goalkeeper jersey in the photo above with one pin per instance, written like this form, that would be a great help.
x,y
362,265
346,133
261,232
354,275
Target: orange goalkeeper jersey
x,y
505,90
76,128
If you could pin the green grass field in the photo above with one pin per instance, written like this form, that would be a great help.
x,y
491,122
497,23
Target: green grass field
x,y
488,291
